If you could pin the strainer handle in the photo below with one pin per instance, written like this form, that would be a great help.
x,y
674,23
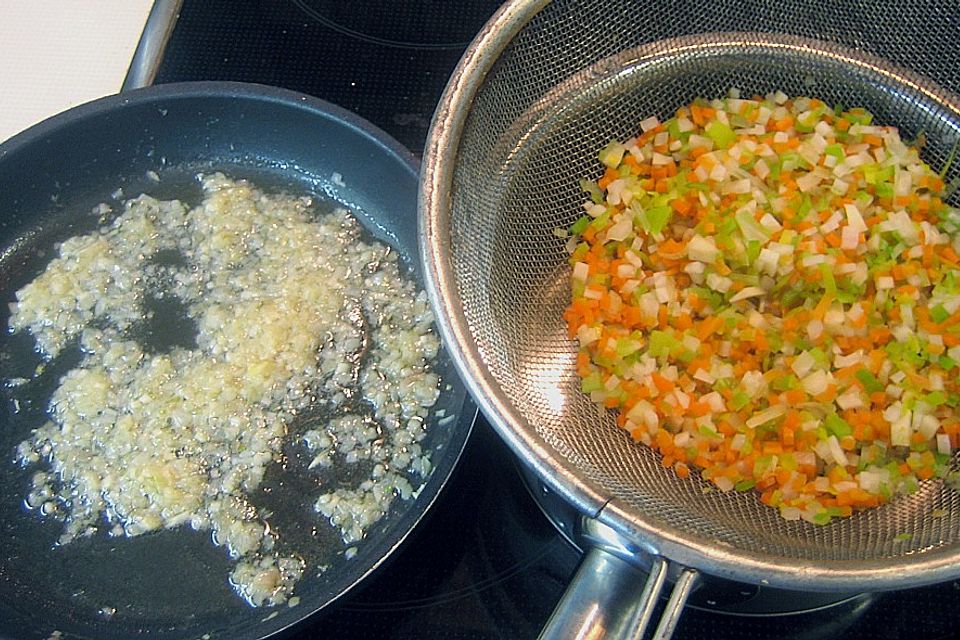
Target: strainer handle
x,y
601,600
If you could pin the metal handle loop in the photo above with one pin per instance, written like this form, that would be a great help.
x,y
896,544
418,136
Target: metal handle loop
x,y
601,600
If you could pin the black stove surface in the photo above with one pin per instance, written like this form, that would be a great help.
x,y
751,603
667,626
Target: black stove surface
x,y
485,564
385,61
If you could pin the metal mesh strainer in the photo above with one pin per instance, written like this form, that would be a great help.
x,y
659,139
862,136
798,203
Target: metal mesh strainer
x,y
538,93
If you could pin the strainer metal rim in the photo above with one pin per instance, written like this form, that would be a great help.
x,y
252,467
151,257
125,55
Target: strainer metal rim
x,y
639,531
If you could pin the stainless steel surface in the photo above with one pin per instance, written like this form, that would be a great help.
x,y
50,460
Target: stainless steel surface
x,y
541,89
153,41
602,600
647,602
712,594
436,182
686,583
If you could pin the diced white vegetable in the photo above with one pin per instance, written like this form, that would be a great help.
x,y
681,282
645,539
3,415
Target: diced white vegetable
x,y
620,230
802,364
702,249
900,430
943,444
766,415
850,400
580,271
816,383
649,124
747,292
719,283
767,262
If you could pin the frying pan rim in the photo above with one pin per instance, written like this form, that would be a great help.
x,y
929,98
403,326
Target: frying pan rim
x,y
193,89
395,155
645,533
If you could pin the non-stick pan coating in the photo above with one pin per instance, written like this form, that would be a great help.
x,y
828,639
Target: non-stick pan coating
x,y
173,584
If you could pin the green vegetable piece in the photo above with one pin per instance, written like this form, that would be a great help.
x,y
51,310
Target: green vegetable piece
x,y
627,346
938,314
820,357
721,134
950,160
859,115
601,221
871,173
762,464
806,204
785,383
869,381
657,218
835,150
949,283
838,426
708,432
673,128
580,225
884,190
739,400
591,383
821,518
829,283
662,344
789,462
846,297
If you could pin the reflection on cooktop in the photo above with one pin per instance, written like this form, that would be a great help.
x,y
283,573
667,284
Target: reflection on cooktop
x,y
411,24
387,62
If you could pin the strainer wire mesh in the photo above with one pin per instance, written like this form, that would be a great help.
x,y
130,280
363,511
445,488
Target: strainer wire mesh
x,y
584,72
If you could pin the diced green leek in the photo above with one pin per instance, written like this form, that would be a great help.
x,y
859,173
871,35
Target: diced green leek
x,y
657,218
580,225
591,383
869,381
662,344
835,150
739,400
838,426
829,284
722,134
938,314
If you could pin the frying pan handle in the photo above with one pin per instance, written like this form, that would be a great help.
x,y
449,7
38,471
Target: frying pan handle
x,y
601,600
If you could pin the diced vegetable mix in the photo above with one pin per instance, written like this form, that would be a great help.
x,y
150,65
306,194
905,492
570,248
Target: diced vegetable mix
x,y
768,290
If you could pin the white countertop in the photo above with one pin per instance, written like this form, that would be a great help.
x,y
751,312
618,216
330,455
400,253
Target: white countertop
x,y
56,54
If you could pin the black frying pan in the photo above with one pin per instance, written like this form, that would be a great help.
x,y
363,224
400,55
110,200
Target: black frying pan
x,y
173,584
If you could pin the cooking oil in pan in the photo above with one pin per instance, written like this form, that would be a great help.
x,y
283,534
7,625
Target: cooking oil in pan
x,y
233,361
